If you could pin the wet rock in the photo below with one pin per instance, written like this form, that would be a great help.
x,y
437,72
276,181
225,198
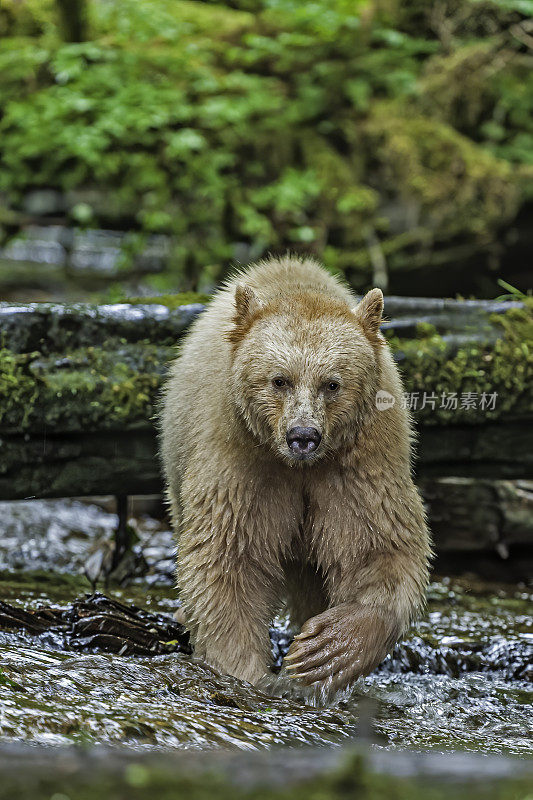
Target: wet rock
x,y
177,701
42,245
97,251
98,623
78,537
280,639
12,618
51,328
56,535
113,252
512,658
43,202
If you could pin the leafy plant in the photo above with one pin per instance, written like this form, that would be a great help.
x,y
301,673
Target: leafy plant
x,y
512,292
258,126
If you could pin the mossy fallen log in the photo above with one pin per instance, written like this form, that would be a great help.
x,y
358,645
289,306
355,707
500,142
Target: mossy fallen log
x,y
315,774
79,387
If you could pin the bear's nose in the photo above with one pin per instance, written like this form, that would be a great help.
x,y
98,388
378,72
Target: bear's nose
x,y
302,441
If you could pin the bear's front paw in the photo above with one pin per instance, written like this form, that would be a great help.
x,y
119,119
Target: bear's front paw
x,y
341,644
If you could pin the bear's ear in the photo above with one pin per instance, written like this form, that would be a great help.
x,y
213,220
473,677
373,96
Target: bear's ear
x,y
369,312
247,304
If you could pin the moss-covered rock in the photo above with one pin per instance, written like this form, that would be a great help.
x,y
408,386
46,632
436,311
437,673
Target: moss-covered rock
x,y
457,188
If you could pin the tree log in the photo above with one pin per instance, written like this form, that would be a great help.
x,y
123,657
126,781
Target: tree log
x,y
467,514
38,773
79,387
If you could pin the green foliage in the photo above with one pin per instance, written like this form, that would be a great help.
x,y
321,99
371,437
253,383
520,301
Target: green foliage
x,y
275,123
512,292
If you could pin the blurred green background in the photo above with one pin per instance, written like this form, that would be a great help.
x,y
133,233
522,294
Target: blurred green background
x,y
149,146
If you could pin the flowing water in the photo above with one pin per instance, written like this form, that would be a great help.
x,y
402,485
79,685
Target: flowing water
x,y
461,680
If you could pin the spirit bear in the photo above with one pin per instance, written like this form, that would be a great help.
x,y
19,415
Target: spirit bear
x,y
289,481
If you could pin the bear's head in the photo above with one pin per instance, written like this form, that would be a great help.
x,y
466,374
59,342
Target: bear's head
x,y
305,372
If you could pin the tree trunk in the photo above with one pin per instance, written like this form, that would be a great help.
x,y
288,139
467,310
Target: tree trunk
x,y
73,19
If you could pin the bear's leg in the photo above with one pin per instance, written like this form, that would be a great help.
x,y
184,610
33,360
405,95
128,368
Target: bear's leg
x,y
229,613
230,582
369,610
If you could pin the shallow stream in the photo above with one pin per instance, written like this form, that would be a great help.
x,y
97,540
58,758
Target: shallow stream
x,y
461,680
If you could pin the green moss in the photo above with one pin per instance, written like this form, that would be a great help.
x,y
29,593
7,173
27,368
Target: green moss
x,y
18,390
504,368
454,86
425,330
23,584
103,387
32,17
459,188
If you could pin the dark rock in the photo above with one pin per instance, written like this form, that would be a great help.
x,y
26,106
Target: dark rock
x,y
98,624
512,658
468,514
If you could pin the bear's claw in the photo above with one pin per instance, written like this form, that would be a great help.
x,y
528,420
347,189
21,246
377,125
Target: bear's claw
x,y
339,645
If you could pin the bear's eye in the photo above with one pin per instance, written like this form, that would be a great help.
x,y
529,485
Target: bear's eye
x,y
279,383
333,386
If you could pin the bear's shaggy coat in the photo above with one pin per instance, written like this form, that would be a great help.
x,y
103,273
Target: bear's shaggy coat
x,y
338,532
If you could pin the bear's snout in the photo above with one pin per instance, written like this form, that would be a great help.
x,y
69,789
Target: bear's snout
x,y
303,441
